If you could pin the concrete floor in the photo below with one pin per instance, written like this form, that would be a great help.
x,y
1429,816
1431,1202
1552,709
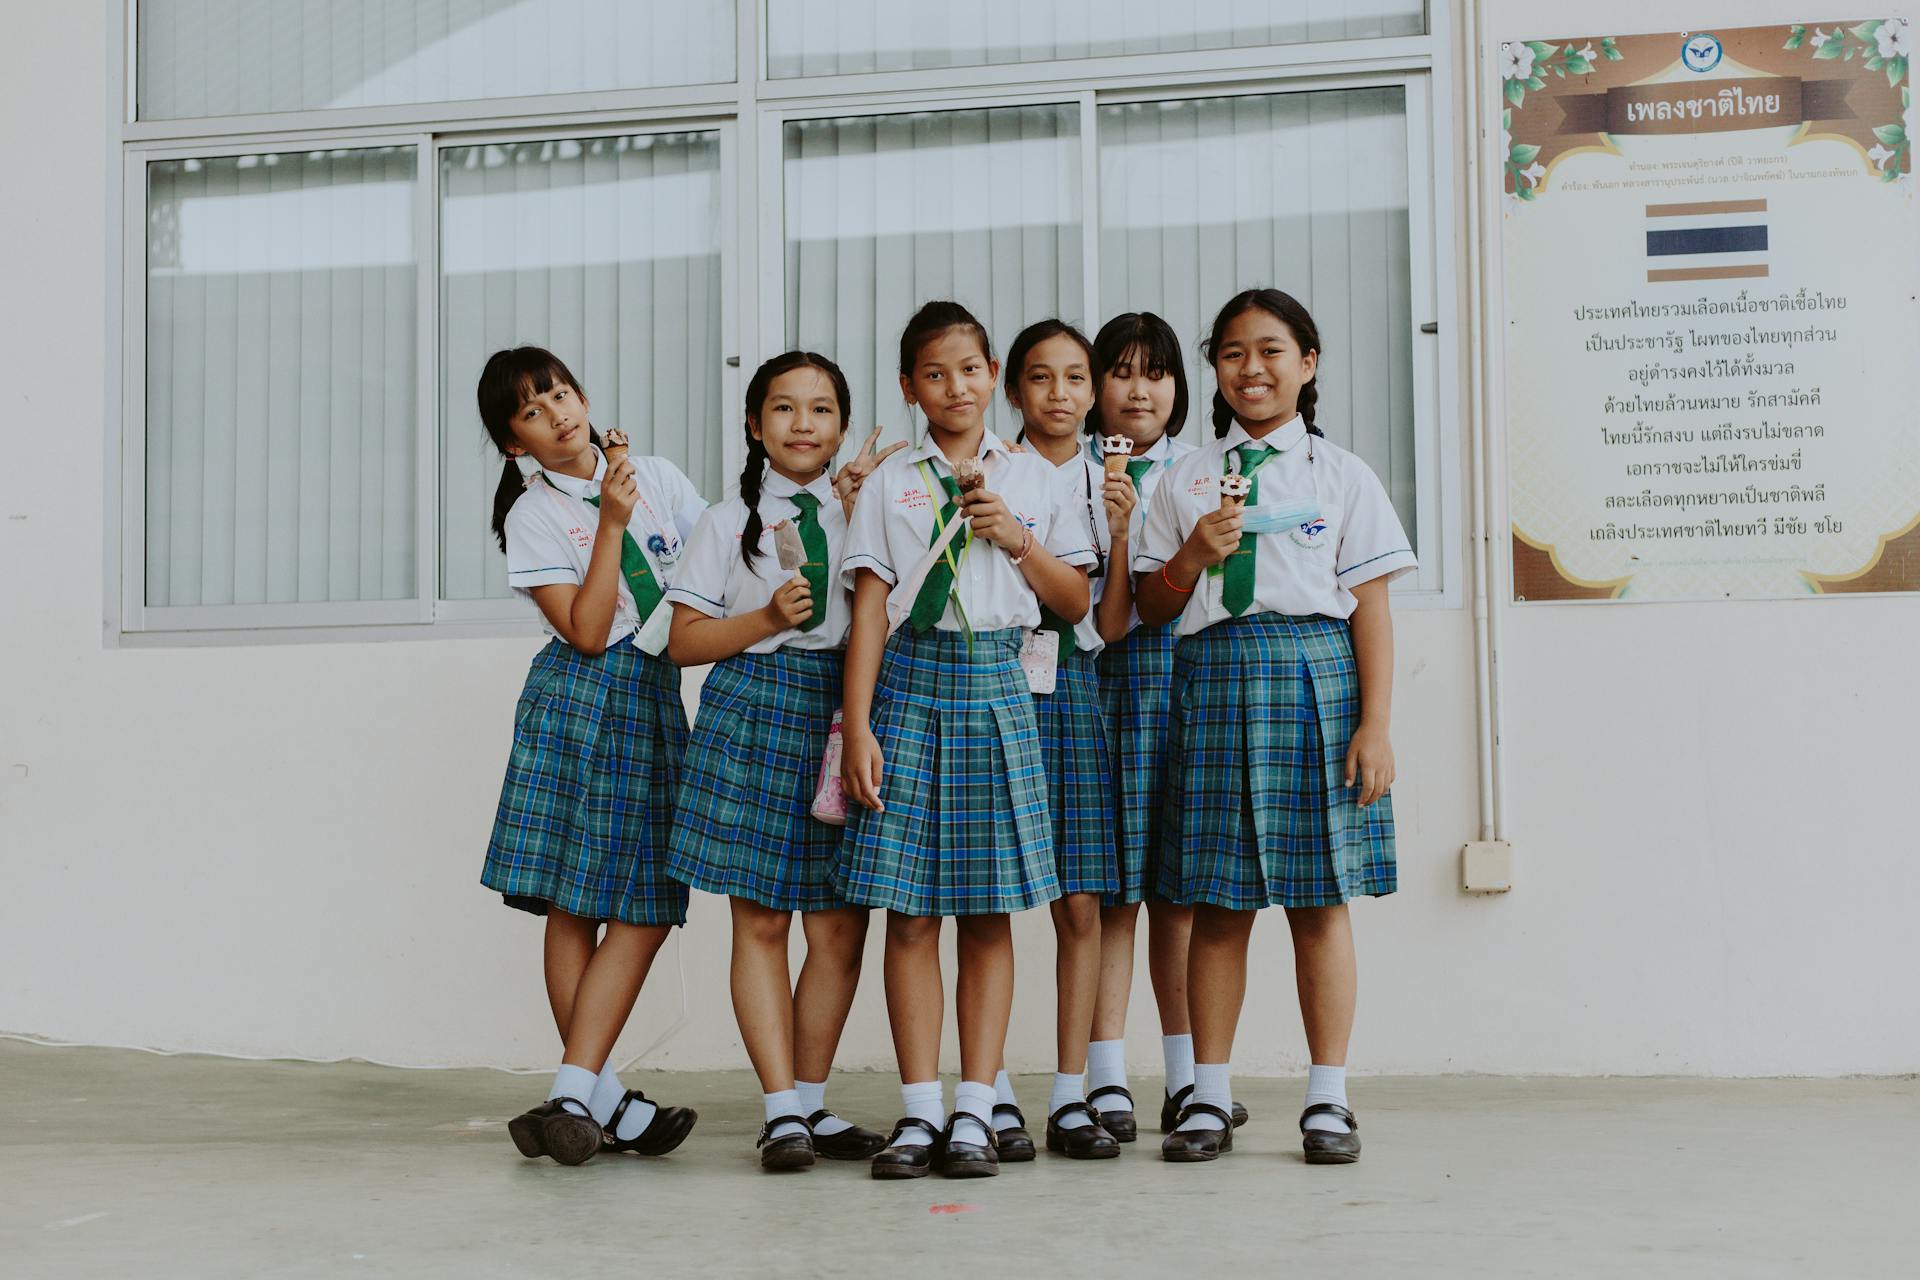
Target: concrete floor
x,y
125,1164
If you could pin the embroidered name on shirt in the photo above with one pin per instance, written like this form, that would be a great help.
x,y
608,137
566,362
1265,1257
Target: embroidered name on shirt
x,y
581,537
1201,486
912,498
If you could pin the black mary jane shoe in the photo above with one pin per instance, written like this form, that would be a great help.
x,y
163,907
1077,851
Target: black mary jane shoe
x,y
967,1159
851,1143
794,1151
667,1130
1082,1142
1170,1105
1013,1143
1190,1146
1119,1122
914,1160
1324,1147
554,1129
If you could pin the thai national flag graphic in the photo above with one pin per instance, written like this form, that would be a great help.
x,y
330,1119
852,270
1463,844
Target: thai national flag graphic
x,y
1707,240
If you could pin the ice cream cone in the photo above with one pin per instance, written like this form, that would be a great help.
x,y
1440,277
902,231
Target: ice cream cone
x,y
968,474
614,445
1233,491
1114,452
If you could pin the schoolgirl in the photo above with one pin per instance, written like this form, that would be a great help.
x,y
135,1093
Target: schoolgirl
x,y
580,836
954,553
1050,384
1270,549
775,627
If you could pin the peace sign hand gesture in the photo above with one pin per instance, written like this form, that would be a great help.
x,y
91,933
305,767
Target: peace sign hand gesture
x,y
847,481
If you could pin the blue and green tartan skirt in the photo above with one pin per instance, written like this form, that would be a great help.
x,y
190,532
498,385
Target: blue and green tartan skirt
x,y
1258,813
965,831
1073,748
584,818
743,824
1135,678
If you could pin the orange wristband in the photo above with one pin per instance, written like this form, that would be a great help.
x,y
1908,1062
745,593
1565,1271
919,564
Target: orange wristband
x,y
1173,586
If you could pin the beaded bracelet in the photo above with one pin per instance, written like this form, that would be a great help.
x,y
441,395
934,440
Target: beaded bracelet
x,y
1026,545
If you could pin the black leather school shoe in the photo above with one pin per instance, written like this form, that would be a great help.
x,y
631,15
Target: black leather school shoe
x,y
915,1160
967,1159
1083,1142
1189,1146
794,1151
552,1129
1323,1147
1013,1143
1118,1122
1171,1103
851,1143
667,1130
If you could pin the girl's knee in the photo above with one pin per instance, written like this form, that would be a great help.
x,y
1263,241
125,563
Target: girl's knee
x,y
760,925
1121,919
1218,924
912,931
989,929
1077,916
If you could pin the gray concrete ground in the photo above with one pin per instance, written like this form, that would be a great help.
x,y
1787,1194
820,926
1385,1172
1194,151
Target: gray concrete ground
x,y
125,1164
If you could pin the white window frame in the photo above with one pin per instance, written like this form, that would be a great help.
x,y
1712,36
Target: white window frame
x,y
750,113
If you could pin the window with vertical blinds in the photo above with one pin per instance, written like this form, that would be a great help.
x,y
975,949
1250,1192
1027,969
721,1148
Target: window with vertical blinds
x,y
281,402
886,212
606,251
1186,222
244,57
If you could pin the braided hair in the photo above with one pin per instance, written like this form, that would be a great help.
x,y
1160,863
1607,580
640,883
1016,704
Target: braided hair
x,y
755,470
1285,308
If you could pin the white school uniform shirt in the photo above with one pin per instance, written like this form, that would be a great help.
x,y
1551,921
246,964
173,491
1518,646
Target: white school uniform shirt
x,y
1080,479
712,578
1308,569
1164,452
893,524
550,531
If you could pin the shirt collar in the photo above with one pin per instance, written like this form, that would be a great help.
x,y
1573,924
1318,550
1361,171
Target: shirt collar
x,y
574,486
775,485
990,444
1281,438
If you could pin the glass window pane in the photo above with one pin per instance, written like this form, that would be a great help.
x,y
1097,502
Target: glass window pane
x,y
242,57
884,213
849,37
606,251
281,385
1186,222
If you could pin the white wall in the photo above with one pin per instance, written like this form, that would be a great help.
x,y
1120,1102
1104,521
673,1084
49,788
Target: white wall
x,y
273,850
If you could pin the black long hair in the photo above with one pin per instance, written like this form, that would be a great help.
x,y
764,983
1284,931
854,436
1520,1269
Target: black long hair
x,y
1024,343
1151,339
755,469
932,320
1285,308
509,380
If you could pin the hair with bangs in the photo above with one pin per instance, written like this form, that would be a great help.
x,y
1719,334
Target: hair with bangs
x,y
1130,338
509,380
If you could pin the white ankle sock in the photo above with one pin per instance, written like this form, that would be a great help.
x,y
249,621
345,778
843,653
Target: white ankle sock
x,y
784,1103
1327,1084
1212,1083
924,1101
1107,1066
1068,1089
574,1084
813,1097
1003,1118
607,1093
1178,1053
973,1100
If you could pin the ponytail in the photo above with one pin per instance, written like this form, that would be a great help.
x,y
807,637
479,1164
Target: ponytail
x,y
1285,308
509,380
507,493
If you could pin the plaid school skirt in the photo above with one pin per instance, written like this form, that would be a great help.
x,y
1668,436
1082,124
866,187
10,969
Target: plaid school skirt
x,y
1135,677
1073,747
742,825
584,819
1263,710
965,831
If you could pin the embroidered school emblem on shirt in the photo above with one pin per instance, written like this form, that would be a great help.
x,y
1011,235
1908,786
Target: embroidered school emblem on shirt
x,y
1309,534
663,551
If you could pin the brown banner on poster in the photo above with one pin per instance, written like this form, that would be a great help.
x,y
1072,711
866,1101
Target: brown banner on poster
x,y
1757,102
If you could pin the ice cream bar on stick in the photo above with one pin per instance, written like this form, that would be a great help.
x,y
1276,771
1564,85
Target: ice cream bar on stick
x,y
787,545
969,474
1234,490
614,445
1114,452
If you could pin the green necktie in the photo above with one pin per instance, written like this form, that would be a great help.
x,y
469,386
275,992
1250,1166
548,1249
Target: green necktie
x,y
1137,468
639,574
814,538
1237,594
931,603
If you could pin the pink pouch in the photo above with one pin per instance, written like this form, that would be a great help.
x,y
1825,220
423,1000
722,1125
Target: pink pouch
x,y
830,796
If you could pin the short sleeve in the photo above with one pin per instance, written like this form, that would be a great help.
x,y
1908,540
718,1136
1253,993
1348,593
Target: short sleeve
x,y
1373,544
536,554
1067,535
1161,536
685,500
866,546
700,579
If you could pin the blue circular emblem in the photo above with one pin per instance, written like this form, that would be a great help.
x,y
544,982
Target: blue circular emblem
x,y
1701,53
658,546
